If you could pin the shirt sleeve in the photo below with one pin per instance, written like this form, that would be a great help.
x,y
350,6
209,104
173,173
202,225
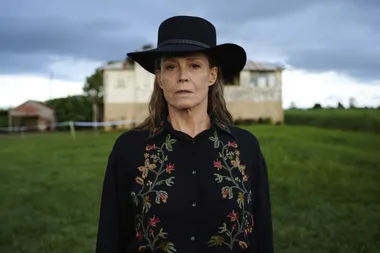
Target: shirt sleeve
x,y
114,228
262,209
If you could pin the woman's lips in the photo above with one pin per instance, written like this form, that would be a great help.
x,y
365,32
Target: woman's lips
x,y
183,92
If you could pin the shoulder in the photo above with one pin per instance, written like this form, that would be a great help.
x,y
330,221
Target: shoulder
x,y
128,140
245,136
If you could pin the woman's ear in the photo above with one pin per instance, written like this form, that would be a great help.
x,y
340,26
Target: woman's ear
x,y
213,75
158,78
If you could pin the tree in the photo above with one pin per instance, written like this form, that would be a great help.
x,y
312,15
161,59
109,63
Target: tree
x,y
340,106
147,46
94,89
71,108
352,102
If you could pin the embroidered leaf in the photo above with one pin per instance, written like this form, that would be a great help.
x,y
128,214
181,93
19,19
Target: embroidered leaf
x,y
215,139
223,228
160,182
161,196
162,234
249,198
219,178
216,240
168,247
135,199
169,181
158,199
240,200
243,245
230,194
146,207
227,191
169,142
229,179
168,147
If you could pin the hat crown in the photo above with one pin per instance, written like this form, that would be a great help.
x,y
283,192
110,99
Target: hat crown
x,y
187,28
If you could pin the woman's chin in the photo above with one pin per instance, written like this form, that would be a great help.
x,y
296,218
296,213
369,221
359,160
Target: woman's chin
x,y
184,105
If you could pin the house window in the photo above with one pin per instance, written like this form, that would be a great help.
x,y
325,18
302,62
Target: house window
x,y
120,84
253,81
271,80
262,80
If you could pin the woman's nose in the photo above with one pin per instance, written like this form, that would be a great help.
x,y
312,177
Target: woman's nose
x,y
183,74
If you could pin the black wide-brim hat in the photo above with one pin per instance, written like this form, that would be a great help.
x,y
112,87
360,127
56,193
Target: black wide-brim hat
x,y
188,34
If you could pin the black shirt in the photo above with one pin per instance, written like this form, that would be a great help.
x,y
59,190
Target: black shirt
x,y
167,192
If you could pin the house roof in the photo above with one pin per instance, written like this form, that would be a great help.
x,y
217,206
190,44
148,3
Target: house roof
x,y
117,65
31,108
261,66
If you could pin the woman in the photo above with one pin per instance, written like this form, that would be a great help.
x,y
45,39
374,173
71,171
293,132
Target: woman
x,y
186,180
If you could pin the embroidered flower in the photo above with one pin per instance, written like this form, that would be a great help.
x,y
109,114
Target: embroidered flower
x,y
139,180
232,174
150,147
153,221
225,192
243,245
169,168
232,144
233,216
218,164
151,236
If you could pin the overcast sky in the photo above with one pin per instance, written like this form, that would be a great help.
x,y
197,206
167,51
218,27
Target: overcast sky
x,y
332,47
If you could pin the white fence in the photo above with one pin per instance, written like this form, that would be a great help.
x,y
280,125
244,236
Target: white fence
x,y
70,124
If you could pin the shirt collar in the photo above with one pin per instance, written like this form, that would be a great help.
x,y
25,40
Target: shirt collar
x,y
165,126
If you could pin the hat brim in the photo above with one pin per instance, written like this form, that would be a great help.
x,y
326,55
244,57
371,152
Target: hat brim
x,y
230,57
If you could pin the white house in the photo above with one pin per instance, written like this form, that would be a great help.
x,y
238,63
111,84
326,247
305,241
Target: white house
x,y
255,94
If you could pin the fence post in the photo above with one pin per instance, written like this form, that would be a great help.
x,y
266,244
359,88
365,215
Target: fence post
x,y
72,129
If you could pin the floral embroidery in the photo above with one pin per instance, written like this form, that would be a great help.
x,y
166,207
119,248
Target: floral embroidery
x,y
154,172
238,222
222,126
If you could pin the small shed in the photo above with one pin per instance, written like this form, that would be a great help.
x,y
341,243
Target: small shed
x,y
33,116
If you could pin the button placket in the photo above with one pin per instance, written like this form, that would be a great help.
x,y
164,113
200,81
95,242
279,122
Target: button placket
x,y
194,179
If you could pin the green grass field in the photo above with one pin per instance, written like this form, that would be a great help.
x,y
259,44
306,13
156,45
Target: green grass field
x,y
356,119
325,187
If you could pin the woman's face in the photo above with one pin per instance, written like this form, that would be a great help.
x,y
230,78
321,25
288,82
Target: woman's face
x,y
185,80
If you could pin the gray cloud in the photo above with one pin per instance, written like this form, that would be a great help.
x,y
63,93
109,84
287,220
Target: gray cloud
x,y
318,35
28,43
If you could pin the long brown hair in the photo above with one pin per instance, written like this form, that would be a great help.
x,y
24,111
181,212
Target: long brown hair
x,y
158,107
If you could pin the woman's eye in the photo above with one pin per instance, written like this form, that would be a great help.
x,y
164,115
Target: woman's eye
x,y
195,66
169,67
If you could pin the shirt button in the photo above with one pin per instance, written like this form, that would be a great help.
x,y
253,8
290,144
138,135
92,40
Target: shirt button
x,y
194,204
192,238
194,172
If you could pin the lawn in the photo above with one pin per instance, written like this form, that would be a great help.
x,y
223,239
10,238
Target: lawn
x,y
355,119
324,185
